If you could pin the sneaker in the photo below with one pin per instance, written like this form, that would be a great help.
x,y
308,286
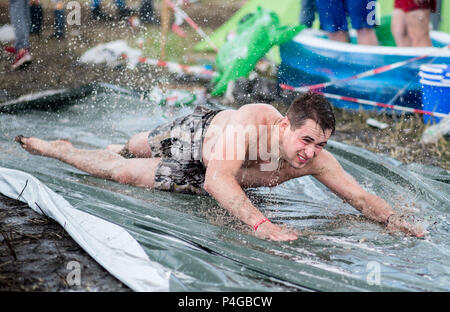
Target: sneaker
x,y
10,49
22,58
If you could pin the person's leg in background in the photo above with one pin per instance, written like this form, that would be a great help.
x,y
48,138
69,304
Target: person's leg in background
x,y
339,35
418,25
97,12
398,28
19,12
362,16
120,4
20,20
59,22
146,13
96,4
415,17
122,10
35,17
333,19
307,13
436,16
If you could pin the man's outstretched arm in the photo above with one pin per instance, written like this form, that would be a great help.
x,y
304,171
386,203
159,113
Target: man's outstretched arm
x,y
332,175
221,183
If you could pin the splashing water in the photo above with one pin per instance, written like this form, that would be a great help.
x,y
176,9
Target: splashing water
x,y
208,249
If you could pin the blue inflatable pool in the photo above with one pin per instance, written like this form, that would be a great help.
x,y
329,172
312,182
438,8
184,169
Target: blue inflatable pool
x,y
311,58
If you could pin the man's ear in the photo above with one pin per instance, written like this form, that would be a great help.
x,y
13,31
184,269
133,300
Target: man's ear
x,y
284,124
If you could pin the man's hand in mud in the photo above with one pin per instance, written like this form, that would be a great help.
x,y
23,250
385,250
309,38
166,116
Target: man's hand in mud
x,y
268,230
399,223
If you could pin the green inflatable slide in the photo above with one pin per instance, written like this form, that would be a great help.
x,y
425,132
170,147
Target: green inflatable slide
x,y
256,34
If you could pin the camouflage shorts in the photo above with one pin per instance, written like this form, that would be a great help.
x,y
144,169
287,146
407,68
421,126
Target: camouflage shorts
x,y
179,144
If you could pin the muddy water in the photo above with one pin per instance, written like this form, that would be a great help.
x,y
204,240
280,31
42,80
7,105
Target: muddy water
x,y
207,249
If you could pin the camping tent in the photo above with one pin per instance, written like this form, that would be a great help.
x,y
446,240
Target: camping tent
x,y
288,12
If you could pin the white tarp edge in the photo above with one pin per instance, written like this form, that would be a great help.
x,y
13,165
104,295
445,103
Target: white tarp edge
x,y
110,245
7,33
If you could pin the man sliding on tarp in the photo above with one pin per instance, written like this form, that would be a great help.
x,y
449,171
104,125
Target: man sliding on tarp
x,y
224,152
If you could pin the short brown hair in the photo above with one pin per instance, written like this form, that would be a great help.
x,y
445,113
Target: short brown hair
x,y
311,106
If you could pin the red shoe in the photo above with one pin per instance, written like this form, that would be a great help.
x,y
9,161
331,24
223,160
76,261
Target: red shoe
x,y
22,57
10,49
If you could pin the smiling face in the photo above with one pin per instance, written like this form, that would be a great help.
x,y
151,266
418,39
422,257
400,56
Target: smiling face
x,y
298,147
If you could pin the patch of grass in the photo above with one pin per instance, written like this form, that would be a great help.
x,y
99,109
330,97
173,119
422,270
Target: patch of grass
x,y
401,140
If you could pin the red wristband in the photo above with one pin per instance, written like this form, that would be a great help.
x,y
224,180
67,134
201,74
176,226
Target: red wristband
x,y
255,227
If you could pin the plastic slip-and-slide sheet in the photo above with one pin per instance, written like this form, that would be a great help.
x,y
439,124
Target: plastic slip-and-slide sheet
x,y
154,240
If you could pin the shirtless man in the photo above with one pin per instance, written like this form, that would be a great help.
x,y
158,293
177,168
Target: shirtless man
x,y
224,152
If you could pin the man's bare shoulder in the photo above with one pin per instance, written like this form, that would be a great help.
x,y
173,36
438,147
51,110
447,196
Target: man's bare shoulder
x,y
257,113
261,108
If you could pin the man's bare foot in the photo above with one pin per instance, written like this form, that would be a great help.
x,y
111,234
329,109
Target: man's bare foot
x,y
115,148
40,147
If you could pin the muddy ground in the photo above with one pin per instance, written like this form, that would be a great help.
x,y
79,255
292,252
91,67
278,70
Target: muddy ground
x,y
35,251
36,254
55,63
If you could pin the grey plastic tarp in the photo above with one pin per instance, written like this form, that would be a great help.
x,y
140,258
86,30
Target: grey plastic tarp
x,y
200,247
109,244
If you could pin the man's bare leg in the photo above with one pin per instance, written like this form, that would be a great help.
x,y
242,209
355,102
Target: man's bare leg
x,y
399,29
137,146
340,35
417,22
99,163
367,36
